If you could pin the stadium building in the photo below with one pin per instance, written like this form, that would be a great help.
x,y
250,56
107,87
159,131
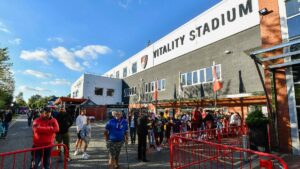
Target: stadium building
x,y
179,71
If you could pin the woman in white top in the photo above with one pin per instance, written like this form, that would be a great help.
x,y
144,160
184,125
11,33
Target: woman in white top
x,y
80,122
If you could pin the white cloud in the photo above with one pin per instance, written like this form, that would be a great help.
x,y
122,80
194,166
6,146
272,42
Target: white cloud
x,y
16,41
34,89
3,28
37,73
86,64
58,82
67,58
39,55
55,39
124,3
93,51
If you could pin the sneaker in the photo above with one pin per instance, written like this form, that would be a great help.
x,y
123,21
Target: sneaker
x,y
76,153
69,159
85,156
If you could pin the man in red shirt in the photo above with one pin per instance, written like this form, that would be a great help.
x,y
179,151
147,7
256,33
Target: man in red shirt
x,y
44,130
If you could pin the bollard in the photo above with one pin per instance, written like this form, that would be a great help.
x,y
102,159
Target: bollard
x,y
245,140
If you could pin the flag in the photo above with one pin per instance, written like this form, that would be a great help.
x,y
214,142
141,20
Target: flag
x,y
217,84
155,94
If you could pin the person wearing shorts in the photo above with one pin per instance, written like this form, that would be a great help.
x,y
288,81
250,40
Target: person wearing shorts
x,y
115,134
81,120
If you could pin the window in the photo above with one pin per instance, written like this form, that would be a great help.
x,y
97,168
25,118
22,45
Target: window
x,y
126,92
152,86
134,68
297,93
75,94
163,84
293,26
159,85
195,77
98,91
183,79
117,74
218,68
189,78
293,17
296,75
209,75
292,7
146,88
294,48
129,91
133,91
202,75
125,72
110,92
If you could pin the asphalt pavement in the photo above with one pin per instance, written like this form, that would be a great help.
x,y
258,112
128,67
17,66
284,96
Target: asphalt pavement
x,y
20,137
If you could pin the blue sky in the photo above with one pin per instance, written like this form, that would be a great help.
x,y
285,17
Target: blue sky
x,y
52,43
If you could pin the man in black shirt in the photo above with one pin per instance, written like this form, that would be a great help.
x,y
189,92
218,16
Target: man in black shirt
x,y
142,131
65,121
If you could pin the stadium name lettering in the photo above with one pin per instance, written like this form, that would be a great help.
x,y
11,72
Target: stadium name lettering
x,y
203,29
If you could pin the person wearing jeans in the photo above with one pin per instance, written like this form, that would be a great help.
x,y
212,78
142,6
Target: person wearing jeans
x,y
44,130
45,153
7,117
132,122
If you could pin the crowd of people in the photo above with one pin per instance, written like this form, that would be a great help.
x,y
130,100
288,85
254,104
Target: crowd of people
x,y
159,127
51,127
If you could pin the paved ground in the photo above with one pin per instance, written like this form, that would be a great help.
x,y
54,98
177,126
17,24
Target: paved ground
x,y
20,137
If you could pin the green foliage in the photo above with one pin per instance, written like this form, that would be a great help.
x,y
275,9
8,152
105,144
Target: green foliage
x,y
19,100
256,119
37,101
7,83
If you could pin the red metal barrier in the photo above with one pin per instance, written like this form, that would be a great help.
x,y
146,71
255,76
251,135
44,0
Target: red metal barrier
x,y
218,149
26,158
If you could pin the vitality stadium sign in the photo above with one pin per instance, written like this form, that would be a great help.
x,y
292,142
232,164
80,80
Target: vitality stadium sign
x,y
202,29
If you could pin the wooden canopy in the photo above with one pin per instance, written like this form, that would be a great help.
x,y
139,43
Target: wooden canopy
x,y
250,100
61,100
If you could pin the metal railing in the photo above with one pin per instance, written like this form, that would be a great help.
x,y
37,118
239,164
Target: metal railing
x,y
28,158
218,149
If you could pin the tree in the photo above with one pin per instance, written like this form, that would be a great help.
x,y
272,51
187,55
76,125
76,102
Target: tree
x,y
37,101
33,101
19,100
7,83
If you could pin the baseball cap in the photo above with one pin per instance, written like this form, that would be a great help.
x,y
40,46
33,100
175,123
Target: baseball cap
x,y
46,109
